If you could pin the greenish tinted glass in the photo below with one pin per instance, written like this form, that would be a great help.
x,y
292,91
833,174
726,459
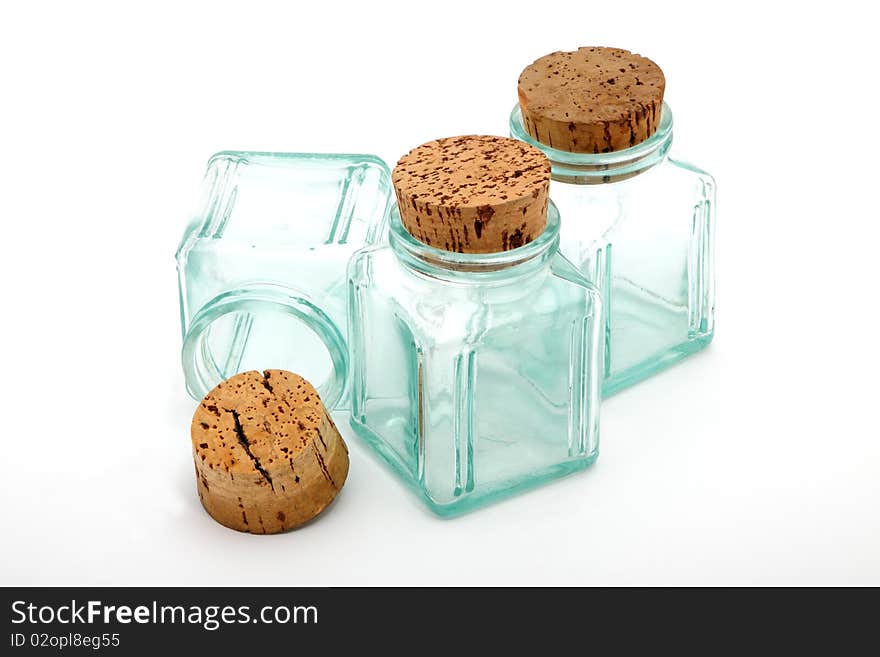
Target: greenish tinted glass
x,y
262,265
474,375
640,225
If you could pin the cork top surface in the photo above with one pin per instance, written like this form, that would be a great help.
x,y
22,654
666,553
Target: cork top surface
x,y
470,170
473,193
590,84
591,100
255,420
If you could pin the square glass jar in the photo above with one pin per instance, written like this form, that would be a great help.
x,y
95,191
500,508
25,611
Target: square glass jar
x,y
262,264
640,225
474,376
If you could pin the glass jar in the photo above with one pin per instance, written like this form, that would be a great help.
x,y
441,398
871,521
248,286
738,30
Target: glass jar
x,y
639,225
262,265
474,375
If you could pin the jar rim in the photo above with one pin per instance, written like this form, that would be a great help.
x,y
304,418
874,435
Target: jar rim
x,y
401,240
656,144
255,298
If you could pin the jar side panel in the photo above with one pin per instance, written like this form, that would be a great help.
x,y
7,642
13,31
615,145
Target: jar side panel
x,y
386,365
646,243
307,201
510,396
701,259
496,393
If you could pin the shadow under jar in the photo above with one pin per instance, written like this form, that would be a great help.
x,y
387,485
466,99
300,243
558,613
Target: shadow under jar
x,y
636,222
474,374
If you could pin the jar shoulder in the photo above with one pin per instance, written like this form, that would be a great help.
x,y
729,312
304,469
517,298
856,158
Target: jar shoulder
x,y
661,200
688,170
377,267
433,307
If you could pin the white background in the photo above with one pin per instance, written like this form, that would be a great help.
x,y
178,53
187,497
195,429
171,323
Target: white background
x,y
755,462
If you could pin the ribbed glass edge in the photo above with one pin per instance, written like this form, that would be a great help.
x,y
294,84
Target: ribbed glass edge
x,y
269,156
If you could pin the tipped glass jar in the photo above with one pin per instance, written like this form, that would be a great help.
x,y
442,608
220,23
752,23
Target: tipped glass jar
x,y
262,265
476,358
636,222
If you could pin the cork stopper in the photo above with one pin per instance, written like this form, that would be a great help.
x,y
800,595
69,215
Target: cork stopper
x,y
592,100
267,455
473,194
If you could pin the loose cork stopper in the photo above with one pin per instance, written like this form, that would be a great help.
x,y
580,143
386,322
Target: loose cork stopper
x,y
268,457
592,100
473,194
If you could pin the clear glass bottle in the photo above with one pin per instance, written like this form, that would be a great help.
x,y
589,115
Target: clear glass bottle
x,y
262,265
639,225
474,375
635,221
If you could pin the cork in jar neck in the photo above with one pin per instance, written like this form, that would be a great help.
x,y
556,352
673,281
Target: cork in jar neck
x,y
431,260
600,168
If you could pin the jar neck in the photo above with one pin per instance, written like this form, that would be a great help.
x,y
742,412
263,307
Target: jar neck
x,y
439,263
600,168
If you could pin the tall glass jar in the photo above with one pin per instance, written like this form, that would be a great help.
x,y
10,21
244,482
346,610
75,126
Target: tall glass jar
x,y
638,223
474,375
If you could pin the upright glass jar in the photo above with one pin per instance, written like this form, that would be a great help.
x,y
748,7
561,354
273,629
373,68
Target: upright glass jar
x,y
474,375
262,265
636,222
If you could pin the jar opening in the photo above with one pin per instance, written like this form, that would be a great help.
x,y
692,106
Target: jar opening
x,y
264,326
599,168
421,255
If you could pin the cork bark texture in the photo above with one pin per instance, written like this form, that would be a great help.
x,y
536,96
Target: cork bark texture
x,y
268,457
473,194
591,100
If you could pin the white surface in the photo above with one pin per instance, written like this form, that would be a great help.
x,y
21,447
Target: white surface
x,y
757,461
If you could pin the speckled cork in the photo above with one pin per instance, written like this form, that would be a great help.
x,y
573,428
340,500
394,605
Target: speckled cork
x,y
473,194
267,455
591,100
